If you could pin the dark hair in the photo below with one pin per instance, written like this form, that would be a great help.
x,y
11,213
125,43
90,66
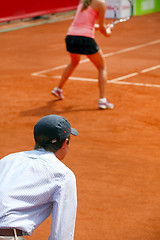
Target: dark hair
x,y
51,147
86,3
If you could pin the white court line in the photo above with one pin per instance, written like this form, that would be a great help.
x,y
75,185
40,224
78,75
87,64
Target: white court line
x,y
124,77
138,46
118,80
105,55
150,69
135,73
49,70
95,80
79,79
137,84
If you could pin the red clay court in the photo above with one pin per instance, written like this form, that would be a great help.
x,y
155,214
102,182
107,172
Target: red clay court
x,y
116,157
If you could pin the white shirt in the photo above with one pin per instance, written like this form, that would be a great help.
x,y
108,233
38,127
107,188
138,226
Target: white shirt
x,y
34,184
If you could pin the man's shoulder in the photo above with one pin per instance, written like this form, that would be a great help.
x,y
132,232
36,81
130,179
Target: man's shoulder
x,y
60,167
11,155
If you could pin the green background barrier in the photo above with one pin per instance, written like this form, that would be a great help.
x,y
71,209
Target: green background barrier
x,y
145,6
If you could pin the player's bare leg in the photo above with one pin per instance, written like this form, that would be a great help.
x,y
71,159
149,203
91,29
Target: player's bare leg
x,y
98,60
75,58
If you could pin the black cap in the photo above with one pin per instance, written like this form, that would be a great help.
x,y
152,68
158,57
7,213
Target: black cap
x,y
53,128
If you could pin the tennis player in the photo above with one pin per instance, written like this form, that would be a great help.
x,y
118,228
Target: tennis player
x,y
80,41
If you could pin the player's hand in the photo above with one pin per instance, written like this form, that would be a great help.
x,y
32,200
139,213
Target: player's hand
x,y
109,28
105,29
96,25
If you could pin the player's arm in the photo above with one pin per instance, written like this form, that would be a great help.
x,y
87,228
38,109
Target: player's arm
x,y
64,209
102,10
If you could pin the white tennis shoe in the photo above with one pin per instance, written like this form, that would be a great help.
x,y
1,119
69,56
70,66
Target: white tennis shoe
x,y
104,104
58,92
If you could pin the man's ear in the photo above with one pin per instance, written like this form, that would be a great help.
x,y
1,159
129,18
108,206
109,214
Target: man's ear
x,y
65,143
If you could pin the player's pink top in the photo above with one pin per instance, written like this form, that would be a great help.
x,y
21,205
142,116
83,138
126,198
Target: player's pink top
x,y
83,23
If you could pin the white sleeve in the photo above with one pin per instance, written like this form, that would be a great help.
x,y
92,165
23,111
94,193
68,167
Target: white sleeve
x,y
64,210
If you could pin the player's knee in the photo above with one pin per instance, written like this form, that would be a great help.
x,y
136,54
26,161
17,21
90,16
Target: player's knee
x,y
102,68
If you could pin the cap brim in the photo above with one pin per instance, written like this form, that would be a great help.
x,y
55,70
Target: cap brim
x,y
74,132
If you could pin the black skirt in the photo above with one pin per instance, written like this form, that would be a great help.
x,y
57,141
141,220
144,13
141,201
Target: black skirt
x,y
81,45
